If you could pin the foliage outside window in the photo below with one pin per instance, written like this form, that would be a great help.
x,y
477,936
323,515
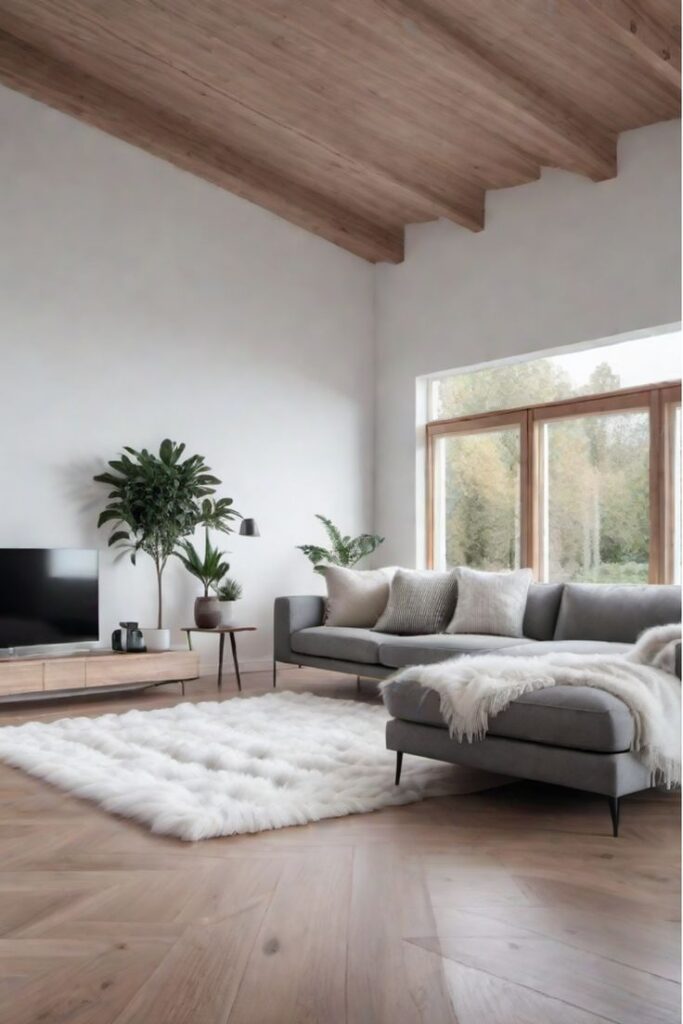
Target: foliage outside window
x,y
569,488
624,364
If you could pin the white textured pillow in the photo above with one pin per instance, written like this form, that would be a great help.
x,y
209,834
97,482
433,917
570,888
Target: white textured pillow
x,y
491,602
356,597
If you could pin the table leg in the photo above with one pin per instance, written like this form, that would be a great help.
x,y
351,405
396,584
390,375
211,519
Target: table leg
x,y
189,640
234,658
221,645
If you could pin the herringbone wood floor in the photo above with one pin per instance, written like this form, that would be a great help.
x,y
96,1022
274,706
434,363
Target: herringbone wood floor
x,y
512,906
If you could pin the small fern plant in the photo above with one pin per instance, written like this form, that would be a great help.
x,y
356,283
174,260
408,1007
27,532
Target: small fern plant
x,y
343,550
229,590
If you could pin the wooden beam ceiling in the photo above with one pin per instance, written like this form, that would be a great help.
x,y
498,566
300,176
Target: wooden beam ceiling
x,y
629,22
521,111
355,118
173,139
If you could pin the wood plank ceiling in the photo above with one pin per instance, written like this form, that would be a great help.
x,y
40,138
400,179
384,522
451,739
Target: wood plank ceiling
x,y
353,118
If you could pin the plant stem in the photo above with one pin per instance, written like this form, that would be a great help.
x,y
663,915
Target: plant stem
x,y
159,569
206,558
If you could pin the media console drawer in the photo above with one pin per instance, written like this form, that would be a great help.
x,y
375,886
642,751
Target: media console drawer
x,y
63,673
72,672
21,677
110,670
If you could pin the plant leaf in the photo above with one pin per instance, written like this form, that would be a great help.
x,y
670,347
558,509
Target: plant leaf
x,y
118,536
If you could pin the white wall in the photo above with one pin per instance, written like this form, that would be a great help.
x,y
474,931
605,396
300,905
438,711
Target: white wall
x,y
561,261
138,302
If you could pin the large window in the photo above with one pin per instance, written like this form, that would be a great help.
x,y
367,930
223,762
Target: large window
x,y
585,489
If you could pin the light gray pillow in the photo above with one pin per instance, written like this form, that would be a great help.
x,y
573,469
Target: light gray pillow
x,y
491,602
356,597
419,602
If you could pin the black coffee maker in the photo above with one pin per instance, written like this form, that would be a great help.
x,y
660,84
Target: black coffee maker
x,y
128,638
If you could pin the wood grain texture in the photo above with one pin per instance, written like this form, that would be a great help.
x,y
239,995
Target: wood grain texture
x,y
19,678
96,668
63,673
509,906
356,118
141,668
632,24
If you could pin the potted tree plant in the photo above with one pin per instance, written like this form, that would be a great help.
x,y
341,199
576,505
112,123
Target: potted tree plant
x,y
228,593
155,501
209,569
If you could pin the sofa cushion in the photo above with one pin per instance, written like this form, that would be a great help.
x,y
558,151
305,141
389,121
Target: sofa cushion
x,y
542,607
490,602
569,647
575,717
398,651
345,643
598,611
355,597
419,602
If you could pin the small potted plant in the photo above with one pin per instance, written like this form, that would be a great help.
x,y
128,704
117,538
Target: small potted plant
x,y
228,592
209,569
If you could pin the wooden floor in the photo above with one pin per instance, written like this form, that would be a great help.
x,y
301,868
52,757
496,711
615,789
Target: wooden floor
x,y
512,906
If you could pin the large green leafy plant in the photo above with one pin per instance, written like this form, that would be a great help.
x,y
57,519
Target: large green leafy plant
x,y
344,550
156,501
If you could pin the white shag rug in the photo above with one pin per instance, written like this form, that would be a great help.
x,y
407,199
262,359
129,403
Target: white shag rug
x,y
247,765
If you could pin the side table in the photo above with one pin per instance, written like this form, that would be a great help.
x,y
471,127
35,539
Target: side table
x,y
220,632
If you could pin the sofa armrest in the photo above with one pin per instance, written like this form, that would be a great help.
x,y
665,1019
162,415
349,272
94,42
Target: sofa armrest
x,y
290,615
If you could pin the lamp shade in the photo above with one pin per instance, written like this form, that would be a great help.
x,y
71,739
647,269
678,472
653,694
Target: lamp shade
x,y
249,528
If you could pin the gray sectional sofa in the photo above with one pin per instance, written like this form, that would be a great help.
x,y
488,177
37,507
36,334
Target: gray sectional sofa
x,y
570,736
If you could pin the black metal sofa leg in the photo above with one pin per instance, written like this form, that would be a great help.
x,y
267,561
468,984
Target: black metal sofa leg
x,y
399,762
614,812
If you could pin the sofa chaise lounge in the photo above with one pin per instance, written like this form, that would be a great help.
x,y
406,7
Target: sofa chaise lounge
x,y
571,736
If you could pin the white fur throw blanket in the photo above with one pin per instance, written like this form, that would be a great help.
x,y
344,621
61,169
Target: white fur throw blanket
x,y
473,689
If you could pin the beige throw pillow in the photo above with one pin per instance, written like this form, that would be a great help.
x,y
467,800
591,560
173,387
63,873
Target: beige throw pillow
x,y
491,602
356,597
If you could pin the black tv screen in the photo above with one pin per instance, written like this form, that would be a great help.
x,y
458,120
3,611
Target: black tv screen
x,y
48,596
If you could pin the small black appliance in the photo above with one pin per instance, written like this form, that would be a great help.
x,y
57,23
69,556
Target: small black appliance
x,y
128,638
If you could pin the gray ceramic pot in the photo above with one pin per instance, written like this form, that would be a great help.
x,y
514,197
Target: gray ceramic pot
x,y
207,612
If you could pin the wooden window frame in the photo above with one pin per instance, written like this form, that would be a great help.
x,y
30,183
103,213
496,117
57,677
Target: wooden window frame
x,y
658,399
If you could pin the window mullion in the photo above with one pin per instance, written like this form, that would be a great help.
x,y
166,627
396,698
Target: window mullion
x,y
657,571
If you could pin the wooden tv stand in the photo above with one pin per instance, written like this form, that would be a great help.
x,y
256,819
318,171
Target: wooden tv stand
x,y
94,670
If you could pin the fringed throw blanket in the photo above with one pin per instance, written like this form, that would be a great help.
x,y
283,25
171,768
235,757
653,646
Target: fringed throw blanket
x,y
474,689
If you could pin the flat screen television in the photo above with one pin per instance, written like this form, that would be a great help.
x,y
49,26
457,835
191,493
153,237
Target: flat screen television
x,y
48,596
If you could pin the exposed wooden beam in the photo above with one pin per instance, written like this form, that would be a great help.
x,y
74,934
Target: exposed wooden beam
x,y
28,70
464,206
569,141
658,46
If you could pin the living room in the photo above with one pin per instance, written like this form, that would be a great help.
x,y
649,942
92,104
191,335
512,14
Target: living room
x,y
364,278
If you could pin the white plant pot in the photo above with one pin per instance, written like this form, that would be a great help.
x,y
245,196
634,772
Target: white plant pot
x,y
157,639
227,612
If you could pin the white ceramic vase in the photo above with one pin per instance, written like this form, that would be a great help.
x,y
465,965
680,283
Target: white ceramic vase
x,y
227,612
157,639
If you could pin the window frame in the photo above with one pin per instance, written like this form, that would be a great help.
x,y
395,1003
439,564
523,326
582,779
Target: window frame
x,y
660,400
478,424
